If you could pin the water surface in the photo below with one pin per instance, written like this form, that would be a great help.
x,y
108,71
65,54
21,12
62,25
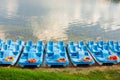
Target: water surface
x,y
60,19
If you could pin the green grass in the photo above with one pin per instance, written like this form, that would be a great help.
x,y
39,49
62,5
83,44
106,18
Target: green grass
x,y
39,74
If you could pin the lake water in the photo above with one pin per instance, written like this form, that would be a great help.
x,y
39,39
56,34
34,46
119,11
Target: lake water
x,y
60,19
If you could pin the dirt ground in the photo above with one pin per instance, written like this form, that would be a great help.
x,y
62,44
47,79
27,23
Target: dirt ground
x,y
81,69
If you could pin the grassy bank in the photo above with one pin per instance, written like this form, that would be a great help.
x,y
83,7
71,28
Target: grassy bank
x,y
39,74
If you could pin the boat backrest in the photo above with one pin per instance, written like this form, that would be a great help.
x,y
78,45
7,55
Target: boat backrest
x,y
80,43
4,47
84,48
0,41
105,47
118,43
100,43
70,43
16,48
110,42
60,43
39,43
95,47
8,42
62,48
27,48
29,43
91,42
116,47
50,42
39,48
50,48
19,42
72,48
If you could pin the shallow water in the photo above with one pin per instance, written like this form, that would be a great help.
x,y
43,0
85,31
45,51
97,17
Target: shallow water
x,y
60,19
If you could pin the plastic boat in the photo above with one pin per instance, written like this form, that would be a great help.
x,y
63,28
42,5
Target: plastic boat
x,y
79,54
10,51
32,54
56,54
115,47
102,53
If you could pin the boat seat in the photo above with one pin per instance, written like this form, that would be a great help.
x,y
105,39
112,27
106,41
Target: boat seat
x,y
62,50
50,42
60,43
50,50
80,43
39,43
29,43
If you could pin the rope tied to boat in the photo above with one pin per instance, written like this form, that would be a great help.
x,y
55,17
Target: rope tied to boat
x,y
9,58
87,58
31,60
61,60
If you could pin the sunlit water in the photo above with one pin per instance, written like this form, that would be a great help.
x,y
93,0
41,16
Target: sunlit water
x,y
60,19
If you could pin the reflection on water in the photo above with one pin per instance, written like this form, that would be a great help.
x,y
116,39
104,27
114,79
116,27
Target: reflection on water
x,y
53,28
8,8
60,19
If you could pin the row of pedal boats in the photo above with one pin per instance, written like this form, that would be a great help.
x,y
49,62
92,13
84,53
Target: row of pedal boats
x,y
57,53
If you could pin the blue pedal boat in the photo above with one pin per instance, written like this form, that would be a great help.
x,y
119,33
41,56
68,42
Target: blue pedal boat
x,y
32,54
10,51
101,52
115,47
79,54
56,54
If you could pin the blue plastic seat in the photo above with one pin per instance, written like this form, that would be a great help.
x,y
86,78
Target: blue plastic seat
x,y
27,49
84,48
60,43
39,50
105,47
39,43
1,41
4,47
73,51
70,43
8,42
62,50
50,42
29,43
50,50
19,42
80,43
96,51
118,43
116,48
100,43
110,42
90,43
16,49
